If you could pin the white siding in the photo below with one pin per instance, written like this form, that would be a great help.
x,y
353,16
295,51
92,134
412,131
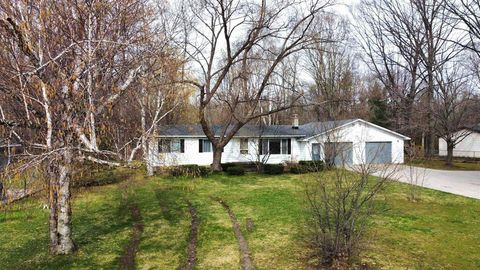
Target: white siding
x,y
231,153
468,147
358,133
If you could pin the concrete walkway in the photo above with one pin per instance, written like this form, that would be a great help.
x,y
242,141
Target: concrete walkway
x,y
464,183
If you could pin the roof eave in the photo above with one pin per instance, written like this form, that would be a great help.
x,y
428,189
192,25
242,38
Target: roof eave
x,y
405,138
240,136
330,130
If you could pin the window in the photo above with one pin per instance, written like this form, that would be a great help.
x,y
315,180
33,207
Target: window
x,y
264,147
176,146
286,146
171,146
276,146
243,146
204,146
164,146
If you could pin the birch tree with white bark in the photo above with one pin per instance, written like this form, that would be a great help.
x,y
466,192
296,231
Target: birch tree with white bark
x,y
66,64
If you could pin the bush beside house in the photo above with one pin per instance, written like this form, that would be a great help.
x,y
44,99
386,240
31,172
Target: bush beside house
x,y
273,169
235,170
191,170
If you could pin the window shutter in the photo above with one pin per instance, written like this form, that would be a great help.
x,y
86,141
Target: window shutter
x,y
200,146
182,146
289,146
260,145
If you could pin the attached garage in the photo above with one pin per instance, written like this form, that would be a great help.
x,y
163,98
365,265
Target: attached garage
x,y
378,152
354,142
339,153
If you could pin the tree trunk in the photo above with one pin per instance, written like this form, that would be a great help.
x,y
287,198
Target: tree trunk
x,y
148,163
407,117
53,201
450,147
217,159
60,207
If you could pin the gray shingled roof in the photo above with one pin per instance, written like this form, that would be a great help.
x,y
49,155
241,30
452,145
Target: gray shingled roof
x,y
306,130
476,128
314,128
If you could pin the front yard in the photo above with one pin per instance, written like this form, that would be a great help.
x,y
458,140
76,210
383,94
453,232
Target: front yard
x,y
438,232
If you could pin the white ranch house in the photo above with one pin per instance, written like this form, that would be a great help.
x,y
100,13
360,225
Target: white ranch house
x,y
468,147
353,142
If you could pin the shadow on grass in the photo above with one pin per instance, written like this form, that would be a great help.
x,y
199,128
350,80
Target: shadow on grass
x,y
92,229
170,206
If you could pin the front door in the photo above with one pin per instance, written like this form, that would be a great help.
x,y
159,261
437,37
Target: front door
x,y
315,151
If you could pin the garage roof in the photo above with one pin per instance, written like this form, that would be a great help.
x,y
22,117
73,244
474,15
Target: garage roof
x,y
330,126
475,128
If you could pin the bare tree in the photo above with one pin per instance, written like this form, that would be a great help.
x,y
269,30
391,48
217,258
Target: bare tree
x,y
331,67
390,34
415,172
67,63
453,108
407,42
237,47
438,27
467,12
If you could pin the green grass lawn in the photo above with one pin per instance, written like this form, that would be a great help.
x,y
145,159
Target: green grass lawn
x,y
438,164
441,231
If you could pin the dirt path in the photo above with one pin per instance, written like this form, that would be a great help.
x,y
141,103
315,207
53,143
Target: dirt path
x,y
245,258
192,239
127,261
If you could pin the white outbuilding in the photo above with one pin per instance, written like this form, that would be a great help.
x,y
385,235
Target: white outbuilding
x,y
469,146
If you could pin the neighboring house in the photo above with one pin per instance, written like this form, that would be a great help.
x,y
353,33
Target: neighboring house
x,y
468,147
351,142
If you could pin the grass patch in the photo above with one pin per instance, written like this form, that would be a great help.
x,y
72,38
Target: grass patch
x,y
438,232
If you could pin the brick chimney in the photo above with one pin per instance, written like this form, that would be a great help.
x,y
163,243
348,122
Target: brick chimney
x,y
295,121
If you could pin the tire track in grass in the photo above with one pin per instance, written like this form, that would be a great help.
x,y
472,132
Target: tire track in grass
x,y
192,239
245,258
127,261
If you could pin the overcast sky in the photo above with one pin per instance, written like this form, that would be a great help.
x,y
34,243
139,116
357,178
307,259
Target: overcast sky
x,y
344,7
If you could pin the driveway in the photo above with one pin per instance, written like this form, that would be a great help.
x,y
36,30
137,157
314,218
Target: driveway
x,y
464,183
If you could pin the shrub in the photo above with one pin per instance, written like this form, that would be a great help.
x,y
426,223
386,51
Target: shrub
x,y
246,165
192,170
273,168
312,165
235,170
297,169
225,166
340,209
89,175
306,166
